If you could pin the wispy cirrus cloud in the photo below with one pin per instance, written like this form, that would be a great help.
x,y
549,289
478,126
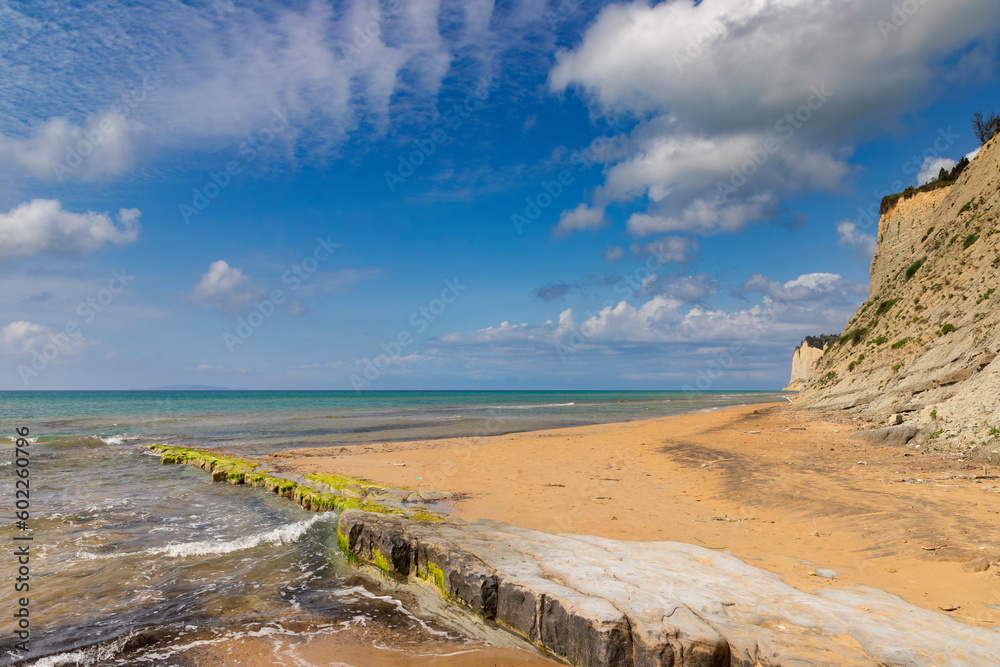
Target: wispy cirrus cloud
x,y
341,71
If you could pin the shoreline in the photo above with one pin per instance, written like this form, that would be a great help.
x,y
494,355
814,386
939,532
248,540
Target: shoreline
x,y
784,490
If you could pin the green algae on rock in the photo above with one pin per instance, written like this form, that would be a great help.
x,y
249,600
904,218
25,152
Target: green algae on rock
x,y
344,492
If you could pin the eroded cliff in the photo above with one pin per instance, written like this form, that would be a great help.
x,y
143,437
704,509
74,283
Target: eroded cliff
x,y
924,345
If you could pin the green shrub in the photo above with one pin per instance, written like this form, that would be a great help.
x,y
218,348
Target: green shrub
x,y
885,306
913,268
969,240
900,343
855,336
947,329
881,340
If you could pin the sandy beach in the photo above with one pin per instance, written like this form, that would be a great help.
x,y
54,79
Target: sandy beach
x,y
785,490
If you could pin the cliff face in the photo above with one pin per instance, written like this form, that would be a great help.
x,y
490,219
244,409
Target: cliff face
x,y
925,343
804,361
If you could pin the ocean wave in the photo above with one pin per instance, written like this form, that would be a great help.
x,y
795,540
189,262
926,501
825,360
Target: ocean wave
x,y
91,655
529,406
278,536
113,439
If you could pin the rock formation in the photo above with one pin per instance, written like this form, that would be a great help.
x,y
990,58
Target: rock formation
x,y
804,361
923,348
595,602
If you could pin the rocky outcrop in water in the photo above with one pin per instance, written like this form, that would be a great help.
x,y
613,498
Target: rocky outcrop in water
x,y
596,602
925,344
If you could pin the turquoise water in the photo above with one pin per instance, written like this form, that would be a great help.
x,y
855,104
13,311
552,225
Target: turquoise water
x,y
136,563
263,421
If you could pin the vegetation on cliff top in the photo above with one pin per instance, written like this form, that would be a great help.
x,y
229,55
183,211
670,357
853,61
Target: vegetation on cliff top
x,y
943,180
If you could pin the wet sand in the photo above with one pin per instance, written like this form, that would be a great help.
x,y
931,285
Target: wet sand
x,y
785,490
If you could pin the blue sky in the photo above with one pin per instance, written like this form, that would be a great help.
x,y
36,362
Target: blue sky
x,y
459,195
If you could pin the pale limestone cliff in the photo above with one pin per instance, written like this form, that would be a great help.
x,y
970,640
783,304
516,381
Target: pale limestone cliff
x,y
804,361
925,343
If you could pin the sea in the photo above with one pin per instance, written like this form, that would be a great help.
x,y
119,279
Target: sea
x,y
136,563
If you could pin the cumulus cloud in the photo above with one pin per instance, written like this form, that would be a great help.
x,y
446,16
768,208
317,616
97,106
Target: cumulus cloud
x,y
582,217
706,216
787,311
742,103
42,226
862,244
226,287
58,149
23,340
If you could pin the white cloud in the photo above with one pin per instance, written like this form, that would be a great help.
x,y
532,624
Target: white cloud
x,y
582,217
613,253
332,68
226,287
807,287
23,340
805,305
706,216
42,226
761,97
862,244
687,288
60,150
932,167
